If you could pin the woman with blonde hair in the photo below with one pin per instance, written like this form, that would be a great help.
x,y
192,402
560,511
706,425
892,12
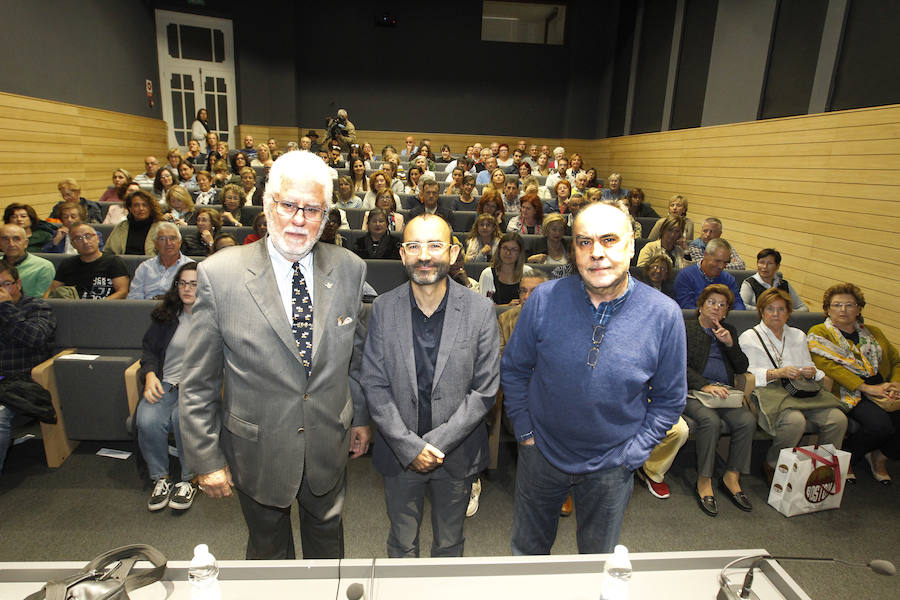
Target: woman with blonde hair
x,y
120,180
180,206
678,206
481,243
263,154
555,250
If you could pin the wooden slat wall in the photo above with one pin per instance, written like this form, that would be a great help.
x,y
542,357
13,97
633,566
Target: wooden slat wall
x,y
42,142
823,189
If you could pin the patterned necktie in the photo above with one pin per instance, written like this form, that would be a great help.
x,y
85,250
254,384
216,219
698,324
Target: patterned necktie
x,y
302,319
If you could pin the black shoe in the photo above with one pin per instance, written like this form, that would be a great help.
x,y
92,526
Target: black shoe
x,y
739,499
708,505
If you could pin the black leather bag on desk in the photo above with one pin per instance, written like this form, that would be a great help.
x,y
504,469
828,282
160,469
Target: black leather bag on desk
x,y
107,577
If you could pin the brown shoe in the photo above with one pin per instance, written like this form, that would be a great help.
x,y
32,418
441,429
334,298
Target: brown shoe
x,y
567,507
768,473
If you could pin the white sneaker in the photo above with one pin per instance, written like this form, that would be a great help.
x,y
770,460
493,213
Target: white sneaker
x,y
159,497
183,497
473,498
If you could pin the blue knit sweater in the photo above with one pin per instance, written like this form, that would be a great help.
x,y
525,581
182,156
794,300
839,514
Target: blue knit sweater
x,y
586,419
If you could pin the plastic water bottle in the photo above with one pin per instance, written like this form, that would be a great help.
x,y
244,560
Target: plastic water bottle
x,y
204,575
616,575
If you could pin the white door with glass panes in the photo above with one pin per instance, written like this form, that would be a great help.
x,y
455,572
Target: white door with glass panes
x,y
196,70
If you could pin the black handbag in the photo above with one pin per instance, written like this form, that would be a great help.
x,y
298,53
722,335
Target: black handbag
x,y
798,388
107,577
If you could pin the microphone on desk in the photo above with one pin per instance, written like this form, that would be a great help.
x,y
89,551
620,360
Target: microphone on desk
x,y
731,591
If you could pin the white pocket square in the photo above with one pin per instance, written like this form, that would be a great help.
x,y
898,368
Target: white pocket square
x,y
341,321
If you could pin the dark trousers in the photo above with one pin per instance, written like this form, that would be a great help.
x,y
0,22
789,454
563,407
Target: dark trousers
x,y
878,430
321,527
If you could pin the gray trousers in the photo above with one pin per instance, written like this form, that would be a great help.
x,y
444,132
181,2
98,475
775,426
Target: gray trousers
x,y
742,424
404,495
829,423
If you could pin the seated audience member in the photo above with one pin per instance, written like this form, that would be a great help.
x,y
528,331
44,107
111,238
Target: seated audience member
x,y
162,366
214,151
69,214
530,185
678,206
636,207
767,276
385,200
465,164
378,243
559,154
330,233
94,275
70,190
580,184
517,162
714,356
865,368
576,164
533,154
207,194
137,233
481,243
335,160
221,175
344,197
232,205
615,191
28,328
503,157
368,155
542,168
391,174
249,149
778,354
658,274
148,177
486,175
498,181
592,180
445,158
36,273
511,195
456,179
523,171
174,159
669,244
187,177
262,155
412,180
223,240
501,281
200,243
691,280
251,192
154,276
166,178
554,250
37,232
468,197
259,229
711,229
239,160
559,200
490,203
180,207
561,174
428,202
424,163
116,193
116,213
358,175
194,156
409,148
273,145
529,220
378,181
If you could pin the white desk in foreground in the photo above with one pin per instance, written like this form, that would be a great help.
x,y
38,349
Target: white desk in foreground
x,y
670,575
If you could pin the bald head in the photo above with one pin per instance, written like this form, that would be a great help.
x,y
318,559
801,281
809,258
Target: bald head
x,y
431,223
13,241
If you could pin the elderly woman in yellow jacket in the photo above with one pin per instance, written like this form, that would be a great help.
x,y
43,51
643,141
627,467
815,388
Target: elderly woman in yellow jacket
x,y
865,368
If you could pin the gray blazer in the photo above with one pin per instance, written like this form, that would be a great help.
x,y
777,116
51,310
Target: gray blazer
x,y
466,377
271,424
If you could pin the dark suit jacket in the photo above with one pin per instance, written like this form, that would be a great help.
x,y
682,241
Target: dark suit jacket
x,y
698,344
466,377
419,209
272,426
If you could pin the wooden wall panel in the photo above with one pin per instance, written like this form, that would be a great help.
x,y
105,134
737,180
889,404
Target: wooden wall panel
x,y
42,142
823,189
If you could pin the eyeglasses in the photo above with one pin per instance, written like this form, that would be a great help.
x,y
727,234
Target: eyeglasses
x,y
843,305
434,248
596,338
191,285
289,209
713,304
83,237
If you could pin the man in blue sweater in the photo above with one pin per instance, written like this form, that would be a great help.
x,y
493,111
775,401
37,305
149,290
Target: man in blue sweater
x,y
594,375
692,280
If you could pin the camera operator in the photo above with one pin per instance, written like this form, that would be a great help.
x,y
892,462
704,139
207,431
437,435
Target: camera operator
x,y
341,129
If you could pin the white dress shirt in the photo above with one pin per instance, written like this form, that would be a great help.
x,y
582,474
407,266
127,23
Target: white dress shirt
x,y
284,277
796,352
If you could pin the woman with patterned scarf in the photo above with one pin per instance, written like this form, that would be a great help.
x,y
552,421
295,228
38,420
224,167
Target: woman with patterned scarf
x,y
866,370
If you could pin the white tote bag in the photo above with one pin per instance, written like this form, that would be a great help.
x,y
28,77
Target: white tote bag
x,y
809,479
